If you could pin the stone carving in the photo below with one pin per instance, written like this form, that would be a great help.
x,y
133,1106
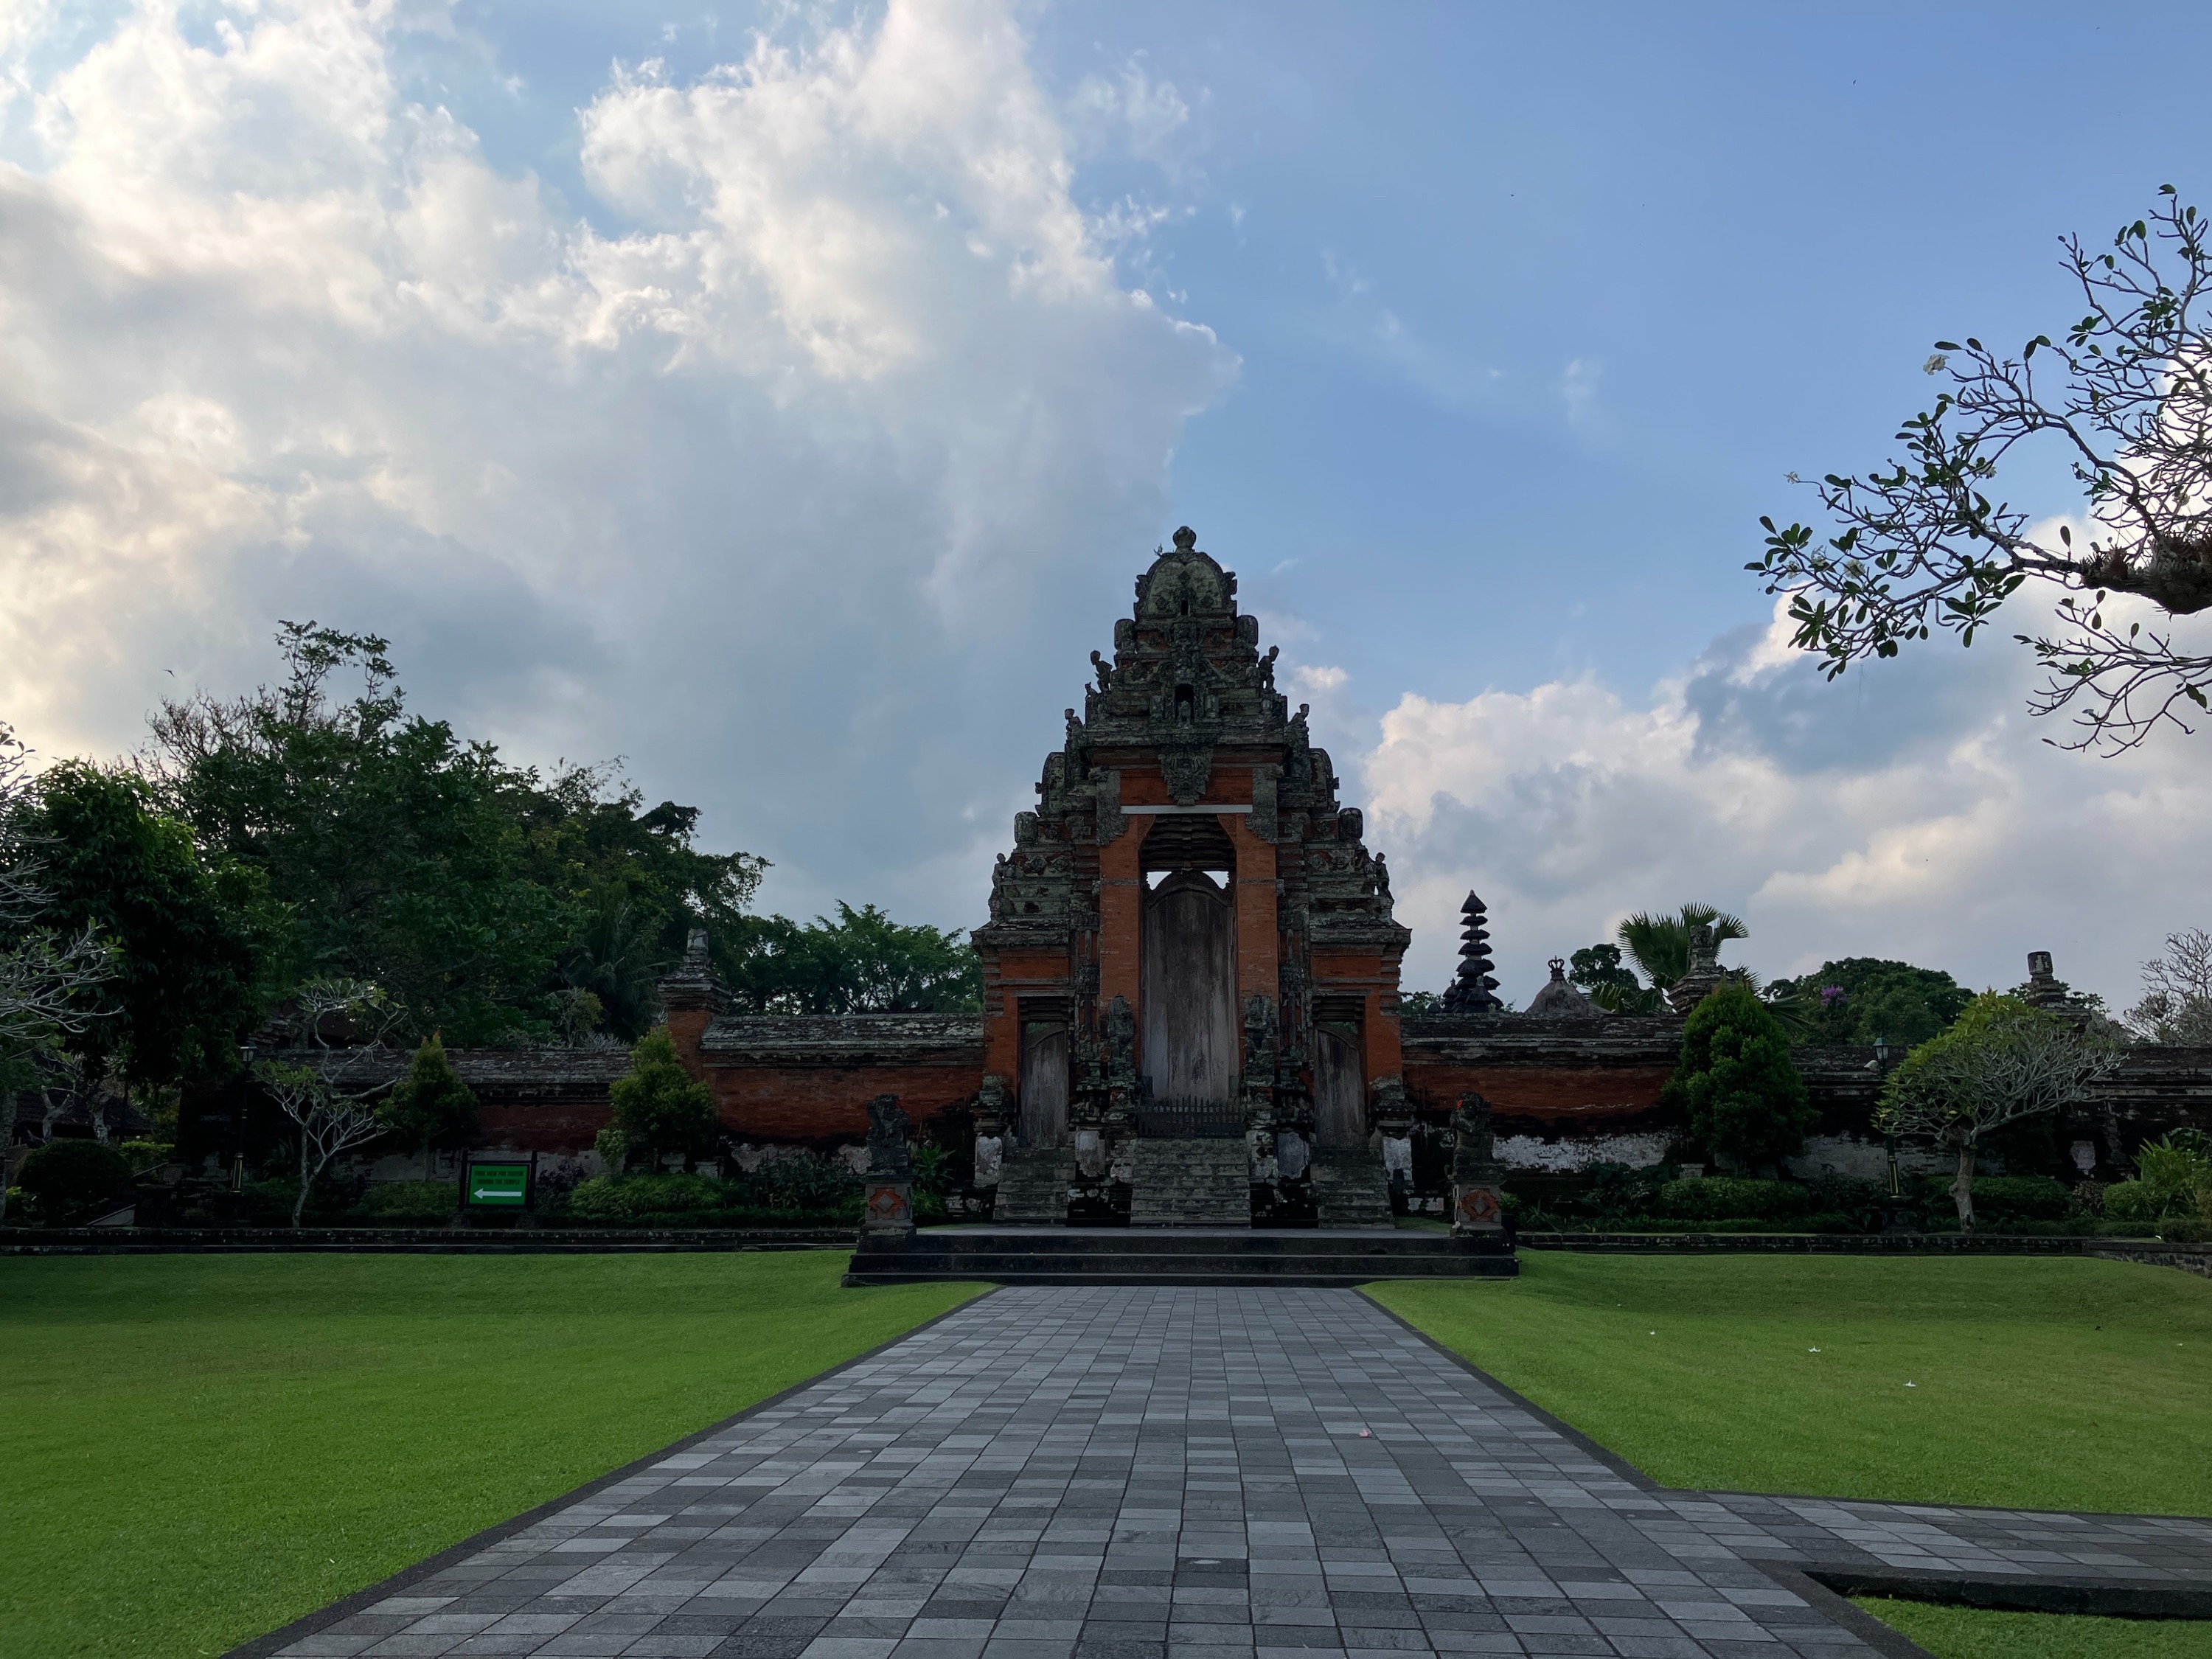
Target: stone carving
x,y
887,1133
1474,991
990,1150
1706,976
887,1204
1477,1199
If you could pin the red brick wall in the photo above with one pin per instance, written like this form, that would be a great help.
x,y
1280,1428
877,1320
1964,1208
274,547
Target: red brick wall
x,y
1574,1098
827,1102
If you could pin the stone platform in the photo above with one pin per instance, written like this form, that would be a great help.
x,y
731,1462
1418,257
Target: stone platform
x,y
1179,1256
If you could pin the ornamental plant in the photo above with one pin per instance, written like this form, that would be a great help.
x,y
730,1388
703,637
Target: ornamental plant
x,y
1735,1083
660,1107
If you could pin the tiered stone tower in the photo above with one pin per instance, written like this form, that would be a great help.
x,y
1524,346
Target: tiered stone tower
x,y
1191,966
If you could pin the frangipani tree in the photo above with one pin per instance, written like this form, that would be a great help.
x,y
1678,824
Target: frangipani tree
x,y
2003,1061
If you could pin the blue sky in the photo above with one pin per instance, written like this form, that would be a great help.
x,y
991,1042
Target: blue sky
x,y
785,399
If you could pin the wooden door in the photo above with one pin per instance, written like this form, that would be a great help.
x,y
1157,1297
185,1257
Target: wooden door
x,y
1192,1050
1339,1086
1043,1083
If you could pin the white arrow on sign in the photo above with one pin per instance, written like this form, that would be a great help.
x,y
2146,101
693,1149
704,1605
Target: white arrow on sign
x,y
495,1192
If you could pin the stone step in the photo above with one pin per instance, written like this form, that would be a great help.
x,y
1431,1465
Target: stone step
x,y
1226,1255
1191,1183
1350,1187
1033,1182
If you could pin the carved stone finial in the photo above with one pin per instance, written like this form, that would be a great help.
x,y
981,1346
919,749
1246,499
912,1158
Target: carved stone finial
x,y
1185,539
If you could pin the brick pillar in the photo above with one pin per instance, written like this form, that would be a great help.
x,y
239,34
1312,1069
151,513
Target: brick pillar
x,y
1121,917
1257,925
1384,1052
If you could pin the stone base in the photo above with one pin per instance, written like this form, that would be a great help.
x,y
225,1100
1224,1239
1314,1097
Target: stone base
x,y
1183,1255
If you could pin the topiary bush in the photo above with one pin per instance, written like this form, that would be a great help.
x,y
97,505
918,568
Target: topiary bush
x,y
1735,1083
63,1178
1728,1198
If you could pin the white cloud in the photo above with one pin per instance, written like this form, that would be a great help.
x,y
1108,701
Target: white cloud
x,y
736,490
1910,810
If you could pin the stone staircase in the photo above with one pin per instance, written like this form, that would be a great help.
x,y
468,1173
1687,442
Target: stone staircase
x,y
1350,1188
1191,1183
1033,1183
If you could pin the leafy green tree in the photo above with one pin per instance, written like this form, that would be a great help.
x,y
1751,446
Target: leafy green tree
x,y
661,1108
1864,999
430,1108
1735,1083
862,961
48,981
478,893
2002,1060
1599,970
64,1177
190,934
2126,401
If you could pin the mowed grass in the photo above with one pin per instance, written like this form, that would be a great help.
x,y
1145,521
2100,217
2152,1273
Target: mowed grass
x,y
1971,1633
2039,1383
2049,1383
198,1449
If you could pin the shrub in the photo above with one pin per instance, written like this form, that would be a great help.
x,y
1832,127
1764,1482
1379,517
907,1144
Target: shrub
x,y
144,1155
431,1107
64,1177
1723,1198
801,1183
2131,1201
2177,1173
409,1200
636,1199
2003,1199
660,1107
1735,1082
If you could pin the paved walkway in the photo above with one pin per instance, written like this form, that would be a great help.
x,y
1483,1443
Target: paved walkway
x,y
1139,1472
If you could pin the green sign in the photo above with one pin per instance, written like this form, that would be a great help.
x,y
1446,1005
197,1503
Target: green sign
x,y
499,1186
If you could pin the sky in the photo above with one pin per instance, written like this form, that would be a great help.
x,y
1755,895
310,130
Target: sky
x,y
783,399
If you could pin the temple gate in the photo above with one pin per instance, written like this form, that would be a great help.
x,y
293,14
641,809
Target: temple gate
x,y
1191,966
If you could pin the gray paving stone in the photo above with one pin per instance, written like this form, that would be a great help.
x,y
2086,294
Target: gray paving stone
x,y
1154,1472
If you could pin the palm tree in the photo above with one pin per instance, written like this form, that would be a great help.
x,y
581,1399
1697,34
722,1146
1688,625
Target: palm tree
x,y
1660,945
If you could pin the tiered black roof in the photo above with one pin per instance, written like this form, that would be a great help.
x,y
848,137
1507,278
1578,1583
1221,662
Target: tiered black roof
x,y
1473,992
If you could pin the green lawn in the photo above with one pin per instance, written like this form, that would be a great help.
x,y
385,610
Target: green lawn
x,y
1968,1633
198,1449
2047,1384
2053,1383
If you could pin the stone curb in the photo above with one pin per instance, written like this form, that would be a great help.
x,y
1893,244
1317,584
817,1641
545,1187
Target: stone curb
x,y
418,1241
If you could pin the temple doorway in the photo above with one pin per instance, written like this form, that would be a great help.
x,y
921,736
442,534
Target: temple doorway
x,y
1044,1081
1339,1078
1192,1052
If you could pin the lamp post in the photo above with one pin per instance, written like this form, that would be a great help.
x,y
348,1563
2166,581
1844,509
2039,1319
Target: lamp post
x,y
246,1053
1898,1214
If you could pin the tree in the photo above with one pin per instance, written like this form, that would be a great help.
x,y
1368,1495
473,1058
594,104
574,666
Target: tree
x,y
430,1107
329,1100
862,961
48,977
2127,401
1598,970
482,894
2176,1000
1865,999
2003,1060
64,1177
660,1108
1735,1083
1660,944
189,937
